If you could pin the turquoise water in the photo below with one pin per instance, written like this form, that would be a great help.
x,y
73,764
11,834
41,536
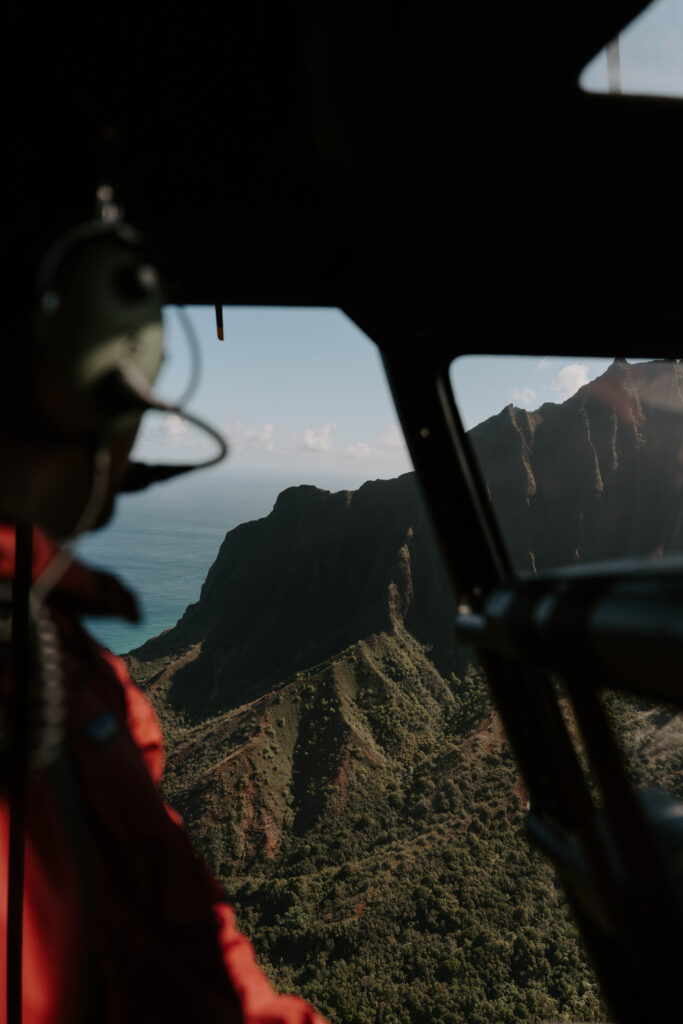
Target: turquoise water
x,y
162,542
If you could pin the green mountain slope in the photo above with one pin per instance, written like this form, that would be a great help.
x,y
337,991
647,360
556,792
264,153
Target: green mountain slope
x,y
366,820
363,811
334,752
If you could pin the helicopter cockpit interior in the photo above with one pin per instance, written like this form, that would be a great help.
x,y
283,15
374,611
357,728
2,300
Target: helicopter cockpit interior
x,y
440,176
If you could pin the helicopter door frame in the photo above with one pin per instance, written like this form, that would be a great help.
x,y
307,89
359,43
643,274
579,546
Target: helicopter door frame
x,y
613,859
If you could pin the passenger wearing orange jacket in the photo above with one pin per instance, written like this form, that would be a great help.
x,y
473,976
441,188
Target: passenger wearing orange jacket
x,y
122,922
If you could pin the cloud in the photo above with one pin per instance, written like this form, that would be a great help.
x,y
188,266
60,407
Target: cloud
x,y
363,450
248,437
393,438
255,440
390,446
543,364
244,436
526,396
569,380
315,440
171,431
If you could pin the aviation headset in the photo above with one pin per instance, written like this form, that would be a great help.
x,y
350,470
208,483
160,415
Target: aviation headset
x,y
93,349
95,344
96,332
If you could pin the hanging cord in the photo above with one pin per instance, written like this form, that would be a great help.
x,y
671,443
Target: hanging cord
x,y
18,766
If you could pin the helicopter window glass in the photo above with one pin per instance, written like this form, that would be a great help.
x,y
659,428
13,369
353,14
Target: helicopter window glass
x,y
278,389
331,748
645,59
582,458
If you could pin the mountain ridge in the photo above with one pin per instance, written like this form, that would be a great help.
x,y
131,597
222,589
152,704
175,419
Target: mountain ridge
x,y
594,478
272,606
334,752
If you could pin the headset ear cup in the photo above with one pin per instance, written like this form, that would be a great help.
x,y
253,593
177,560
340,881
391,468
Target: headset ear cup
x,y
96,346
98,313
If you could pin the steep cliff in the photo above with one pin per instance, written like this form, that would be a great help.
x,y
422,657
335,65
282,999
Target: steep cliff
x,y
322,571
596,477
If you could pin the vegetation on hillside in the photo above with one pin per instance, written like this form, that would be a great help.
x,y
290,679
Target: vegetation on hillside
x,y
367,822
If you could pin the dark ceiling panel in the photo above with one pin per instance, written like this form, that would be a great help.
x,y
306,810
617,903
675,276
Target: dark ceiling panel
x,y
374,155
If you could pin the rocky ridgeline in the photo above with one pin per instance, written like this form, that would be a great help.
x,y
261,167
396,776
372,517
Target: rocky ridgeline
x,y
286,592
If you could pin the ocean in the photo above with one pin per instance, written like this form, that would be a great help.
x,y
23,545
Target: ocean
x,y
162,542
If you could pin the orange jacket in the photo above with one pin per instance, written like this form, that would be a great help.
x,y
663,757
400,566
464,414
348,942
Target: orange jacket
x,y
122,922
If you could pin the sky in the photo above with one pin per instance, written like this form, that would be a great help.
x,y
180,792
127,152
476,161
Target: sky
x,y
302,393
483,385
650,54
